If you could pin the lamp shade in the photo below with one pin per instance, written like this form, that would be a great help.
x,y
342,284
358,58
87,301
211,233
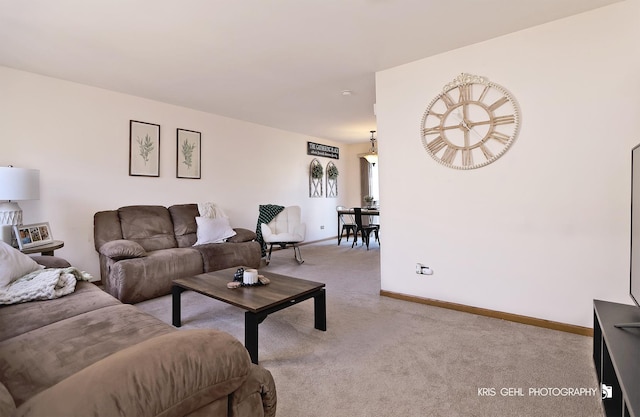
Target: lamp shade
x,y
371,157
19,184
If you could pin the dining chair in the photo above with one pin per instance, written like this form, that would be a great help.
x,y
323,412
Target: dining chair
x,y
364,228
368,220
348,223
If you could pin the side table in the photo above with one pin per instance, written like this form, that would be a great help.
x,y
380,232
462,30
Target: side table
x,y
46,250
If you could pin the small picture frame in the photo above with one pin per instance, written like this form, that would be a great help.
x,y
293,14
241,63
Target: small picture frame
x,y
30,235
144,149
188,154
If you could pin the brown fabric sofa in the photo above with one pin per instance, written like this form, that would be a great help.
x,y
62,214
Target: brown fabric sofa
x,y
143,248
87,354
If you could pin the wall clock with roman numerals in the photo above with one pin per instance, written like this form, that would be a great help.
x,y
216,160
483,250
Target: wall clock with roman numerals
x,y
471,123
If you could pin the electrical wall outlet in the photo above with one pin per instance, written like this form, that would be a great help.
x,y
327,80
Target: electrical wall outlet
x,y
423,270
322,227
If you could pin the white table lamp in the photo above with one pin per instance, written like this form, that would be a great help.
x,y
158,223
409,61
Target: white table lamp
x,y
16,184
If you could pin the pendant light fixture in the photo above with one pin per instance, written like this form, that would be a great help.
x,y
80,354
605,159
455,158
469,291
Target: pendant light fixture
x,y
372,155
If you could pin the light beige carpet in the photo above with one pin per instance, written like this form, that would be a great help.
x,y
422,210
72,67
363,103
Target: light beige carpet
x,y
387,357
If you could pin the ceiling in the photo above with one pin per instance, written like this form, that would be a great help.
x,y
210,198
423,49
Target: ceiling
x,y
279,63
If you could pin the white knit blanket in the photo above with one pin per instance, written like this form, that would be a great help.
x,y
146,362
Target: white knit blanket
x,y
210,210
43,284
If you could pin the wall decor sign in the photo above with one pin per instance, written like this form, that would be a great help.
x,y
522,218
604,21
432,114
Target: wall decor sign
x,y
188,153
317,149
144,149
30,235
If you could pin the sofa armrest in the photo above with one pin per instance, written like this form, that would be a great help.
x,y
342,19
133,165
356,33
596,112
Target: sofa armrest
x,y
50,261
7,405
122,249
217,256
257,392
172,374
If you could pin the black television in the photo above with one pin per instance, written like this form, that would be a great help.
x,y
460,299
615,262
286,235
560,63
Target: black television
x,y
634,273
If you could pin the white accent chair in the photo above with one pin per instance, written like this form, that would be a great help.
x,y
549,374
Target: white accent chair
x,y
285,229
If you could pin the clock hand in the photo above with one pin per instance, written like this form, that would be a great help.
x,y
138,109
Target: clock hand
x,y
471,129
468,125
451,127
463,122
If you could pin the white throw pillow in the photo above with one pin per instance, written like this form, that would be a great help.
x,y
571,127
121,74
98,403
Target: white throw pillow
x,y
213,230
14,264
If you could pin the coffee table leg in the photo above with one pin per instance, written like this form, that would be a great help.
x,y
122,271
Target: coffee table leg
x,y
175,297
251,321
320,310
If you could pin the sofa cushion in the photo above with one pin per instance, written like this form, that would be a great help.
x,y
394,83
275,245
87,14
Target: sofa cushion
x,y
139,279
242,235
150,226
25,317
106,227
184,223
122,249
14,264
36,360
215,230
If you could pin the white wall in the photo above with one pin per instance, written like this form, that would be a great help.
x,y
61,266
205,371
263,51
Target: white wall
x,y
545,229
78,137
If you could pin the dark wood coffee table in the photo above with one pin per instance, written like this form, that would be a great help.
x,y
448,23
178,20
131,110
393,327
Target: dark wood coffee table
x,y
258,301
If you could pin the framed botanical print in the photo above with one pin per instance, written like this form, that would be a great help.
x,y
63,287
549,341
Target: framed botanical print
x,y
188,154
144,149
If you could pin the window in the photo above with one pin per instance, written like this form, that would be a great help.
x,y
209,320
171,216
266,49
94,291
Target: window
x,y
369,181
374,189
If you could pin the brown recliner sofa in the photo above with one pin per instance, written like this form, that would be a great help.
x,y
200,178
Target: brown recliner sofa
x,y
143,248
87,354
